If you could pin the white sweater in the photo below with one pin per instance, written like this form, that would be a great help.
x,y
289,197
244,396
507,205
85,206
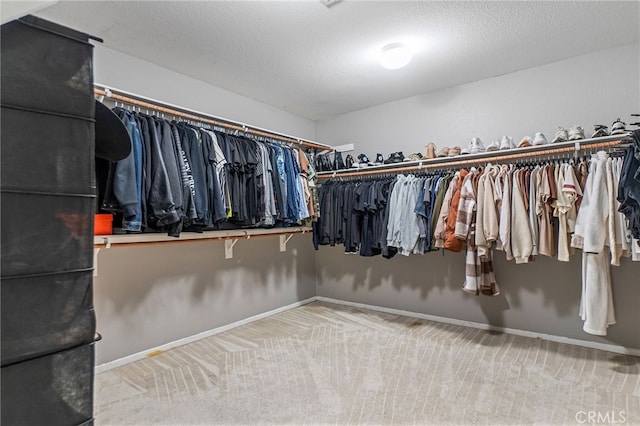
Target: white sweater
x,y
592,224
595,228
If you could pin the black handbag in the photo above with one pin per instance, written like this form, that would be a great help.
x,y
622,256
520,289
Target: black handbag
x,y
338,162
349,161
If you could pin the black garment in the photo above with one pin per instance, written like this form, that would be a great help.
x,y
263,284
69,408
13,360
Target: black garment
x,y
216,202
143,125
108,202
351,218
329,225
243,160
320,227
251,156
236,180
224,145
363,207
162,207
277,185
188,187
629,188
192,146
379,223
171,158
428,197
371,215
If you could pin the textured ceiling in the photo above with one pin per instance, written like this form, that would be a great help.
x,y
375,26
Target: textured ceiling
x,y
316,62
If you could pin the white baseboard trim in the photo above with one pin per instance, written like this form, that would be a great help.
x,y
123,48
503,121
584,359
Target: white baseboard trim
x,y
453,321
180,342
553,338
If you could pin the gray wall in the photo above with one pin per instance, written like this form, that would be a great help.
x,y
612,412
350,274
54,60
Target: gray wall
x,y
543,296
586,90
146,296
140,77
149,295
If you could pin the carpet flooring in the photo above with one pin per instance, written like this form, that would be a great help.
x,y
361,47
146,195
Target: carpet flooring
x,y
328,364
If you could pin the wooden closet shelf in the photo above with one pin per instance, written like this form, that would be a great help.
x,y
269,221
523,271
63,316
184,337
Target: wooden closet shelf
x,y
549,150
105,241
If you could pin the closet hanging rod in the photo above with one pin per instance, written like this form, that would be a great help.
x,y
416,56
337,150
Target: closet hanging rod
x,y
574,146
158,106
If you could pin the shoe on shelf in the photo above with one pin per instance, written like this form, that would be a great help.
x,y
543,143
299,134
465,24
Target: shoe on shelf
x,y
600,130
507,143
466,150
476,146
444,152
561,135
618,127
539,139
379,160
454,151
493,146
576,133
364,160
431,150
525,142
395,157
414,157
348,161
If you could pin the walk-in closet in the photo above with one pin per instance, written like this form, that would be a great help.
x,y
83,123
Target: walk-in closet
x,y
320,212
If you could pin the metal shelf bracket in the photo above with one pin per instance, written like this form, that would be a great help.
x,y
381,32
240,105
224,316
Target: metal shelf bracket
x,y
96,251
228,248
284,239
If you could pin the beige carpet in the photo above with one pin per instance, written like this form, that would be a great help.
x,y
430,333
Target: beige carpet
x,y
329,364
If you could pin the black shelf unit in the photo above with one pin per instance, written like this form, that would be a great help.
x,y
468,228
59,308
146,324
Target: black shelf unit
x,y
48,190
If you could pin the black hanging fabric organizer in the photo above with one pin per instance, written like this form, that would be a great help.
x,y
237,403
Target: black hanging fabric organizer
x,y
48,192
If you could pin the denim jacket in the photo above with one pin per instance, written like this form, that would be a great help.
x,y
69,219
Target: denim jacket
x,y
127,182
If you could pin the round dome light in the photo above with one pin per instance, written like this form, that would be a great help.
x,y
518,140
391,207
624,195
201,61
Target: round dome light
x,y
394,56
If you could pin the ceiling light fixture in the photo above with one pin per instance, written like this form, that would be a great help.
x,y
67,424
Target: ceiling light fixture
x,y
394,56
